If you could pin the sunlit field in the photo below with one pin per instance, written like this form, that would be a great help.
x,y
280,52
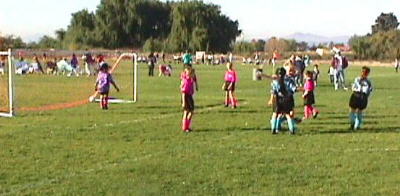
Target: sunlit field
x,y
139,149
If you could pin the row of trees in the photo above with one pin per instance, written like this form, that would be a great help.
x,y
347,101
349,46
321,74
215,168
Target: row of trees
x,y
151,24
10,41
382,43
271,45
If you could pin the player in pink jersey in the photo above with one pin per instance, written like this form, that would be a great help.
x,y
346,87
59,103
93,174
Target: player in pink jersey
x,y
188,82
104,79
308,96
229,86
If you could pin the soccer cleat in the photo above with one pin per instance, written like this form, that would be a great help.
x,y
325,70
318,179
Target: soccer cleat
x,y
315,115
298,120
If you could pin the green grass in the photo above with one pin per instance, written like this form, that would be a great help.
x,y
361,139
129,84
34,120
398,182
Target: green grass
x,y
139,149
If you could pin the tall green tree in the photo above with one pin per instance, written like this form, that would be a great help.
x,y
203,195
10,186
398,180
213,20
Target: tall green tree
x,y
183,25
10,41
385,22
80,32
48,42
60,34
121,23
200,26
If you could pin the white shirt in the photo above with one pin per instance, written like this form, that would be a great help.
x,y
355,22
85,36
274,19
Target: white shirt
x,y
339,66
62,63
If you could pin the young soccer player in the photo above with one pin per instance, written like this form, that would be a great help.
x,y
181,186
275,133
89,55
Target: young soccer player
x,y
229,86
272,102
104,79
316,74
165,69
75,65
308,96
362,88
331,73
187,91
282,92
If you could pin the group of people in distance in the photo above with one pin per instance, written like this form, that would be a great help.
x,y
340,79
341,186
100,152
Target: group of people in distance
x,y
62,65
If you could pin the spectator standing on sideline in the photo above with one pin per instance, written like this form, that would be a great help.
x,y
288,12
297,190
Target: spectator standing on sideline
x,y
339,63
152,60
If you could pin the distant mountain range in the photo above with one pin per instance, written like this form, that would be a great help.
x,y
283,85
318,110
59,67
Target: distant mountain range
x,y
317,39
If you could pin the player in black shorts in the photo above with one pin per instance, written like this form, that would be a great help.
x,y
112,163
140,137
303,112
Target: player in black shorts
x,y
362,88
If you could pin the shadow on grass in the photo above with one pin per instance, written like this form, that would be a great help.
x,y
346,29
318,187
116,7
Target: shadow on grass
x,y
394,129
325,123
209,106
156,107
338,123
233,111
336,117
177,106
233,129
381,116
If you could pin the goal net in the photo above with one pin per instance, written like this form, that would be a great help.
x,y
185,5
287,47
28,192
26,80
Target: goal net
x,y
41,87
6,84
125,69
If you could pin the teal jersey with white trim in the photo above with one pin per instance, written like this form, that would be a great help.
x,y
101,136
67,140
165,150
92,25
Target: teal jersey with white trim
x,y
361,85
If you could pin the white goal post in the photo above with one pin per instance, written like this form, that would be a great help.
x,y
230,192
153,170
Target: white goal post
x,y
10,82
135,75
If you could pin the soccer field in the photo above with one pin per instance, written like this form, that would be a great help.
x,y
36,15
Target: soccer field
x,y
139,149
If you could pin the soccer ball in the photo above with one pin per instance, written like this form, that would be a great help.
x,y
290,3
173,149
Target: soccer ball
x,y
91,98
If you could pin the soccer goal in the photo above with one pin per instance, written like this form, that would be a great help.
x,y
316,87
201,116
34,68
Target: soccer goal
x,y
6,84
135,75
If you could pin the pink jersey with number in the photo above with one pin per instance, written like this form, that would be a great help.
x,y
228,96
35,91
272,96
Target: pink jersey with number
x,y
230,76
188,84
309,85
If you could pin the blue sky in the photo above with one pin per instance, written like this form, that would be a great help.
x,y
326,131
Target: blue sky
x,y
258,18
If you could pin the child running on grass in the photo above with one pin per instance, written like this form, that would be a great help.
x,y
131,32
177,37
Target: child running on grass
x,y
308,96
282,92
104,79
229,86
187,90
362,88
